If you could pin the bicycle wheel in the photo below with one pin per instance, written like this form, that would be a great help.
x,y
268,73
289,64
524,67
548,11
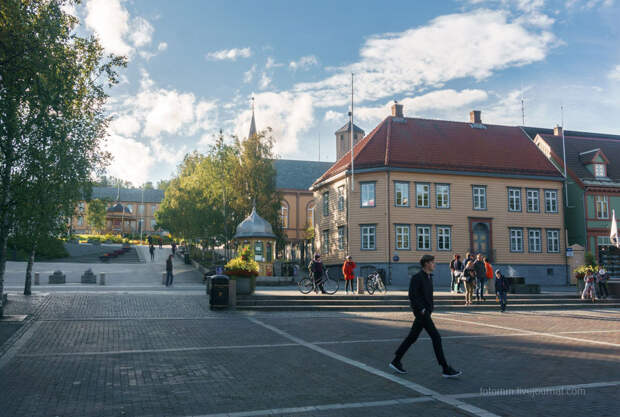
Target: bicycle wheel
x,y
306,285
331,286
371,285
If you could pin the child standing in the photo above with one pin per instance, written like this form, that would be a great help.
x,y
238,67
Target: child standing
x,y
348,269
588,290
501,288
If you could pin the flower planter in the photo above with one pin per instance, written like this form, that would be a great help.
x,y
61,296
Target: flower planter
x,y
246,285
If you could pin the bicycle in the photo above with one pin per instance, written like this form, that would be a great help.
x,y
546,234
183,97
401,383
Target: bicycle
x,y
329,285
374,283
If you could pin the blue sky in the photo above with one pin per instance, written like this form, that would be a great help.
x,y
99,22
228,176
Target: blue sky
x,y
194,65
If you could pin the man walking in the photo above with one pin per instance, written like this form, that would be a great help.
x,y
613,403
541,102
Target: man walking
x,y
481,277
421,299
169,271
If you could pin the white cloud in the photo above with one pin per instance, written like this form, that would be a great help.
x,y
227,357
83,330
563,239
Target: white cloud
x,y
229,54
248,76
162,46
110,20
590,4
304,63
125,125
286,113
168,153
473,44
131,160
118,34
271,63
264,82
333,115
141,32
614,74
439,100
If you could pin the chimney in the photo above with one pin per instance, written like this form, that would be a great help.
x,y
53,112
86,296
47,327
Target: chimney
x,y
557,131
397,109
474,117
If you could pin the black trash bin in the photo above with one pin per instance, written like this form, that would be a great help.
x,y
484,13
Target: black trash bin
x,y
186,258
218,297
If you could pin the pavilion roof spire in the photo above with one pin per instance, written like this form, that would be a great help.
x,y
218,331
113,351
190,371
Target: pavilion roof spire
x,y
253,122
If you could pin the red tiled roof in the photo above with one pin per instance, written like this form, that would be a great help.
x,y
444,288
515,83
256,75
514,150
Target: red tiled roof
x,y
446,145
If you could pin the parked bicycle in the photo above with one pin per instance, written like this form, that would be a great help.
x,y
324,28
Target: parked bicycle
x,y
307,284
374,283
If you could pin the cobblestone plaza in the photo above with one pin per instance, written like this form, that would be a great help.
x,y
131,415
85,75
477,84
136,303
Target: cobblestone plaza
x,y
145,352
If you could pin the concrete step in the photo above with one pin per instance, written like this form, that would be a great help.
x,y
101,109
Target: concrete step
x,y
366,302
437,297
448,307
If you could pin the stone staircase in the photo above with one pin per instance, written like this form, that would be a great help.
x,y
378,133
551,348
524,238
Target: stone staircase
x,y
130,257
401,303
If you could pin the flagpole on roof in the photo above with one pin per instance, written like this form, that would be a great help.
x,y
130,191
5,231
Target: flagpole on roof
x,y
352,174
564,156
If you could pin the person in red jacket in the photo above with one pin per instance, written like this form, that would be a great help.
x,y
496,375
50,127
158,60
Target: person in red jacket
x,y
348,269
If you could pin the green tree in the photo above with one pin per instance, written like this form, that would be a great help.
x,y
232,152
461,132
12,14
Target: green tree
x,y
95,214
148,185
255,181
52,119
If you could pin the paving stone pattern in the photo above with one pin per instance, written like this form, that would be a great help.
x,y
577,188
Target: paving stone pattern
x,y
145,354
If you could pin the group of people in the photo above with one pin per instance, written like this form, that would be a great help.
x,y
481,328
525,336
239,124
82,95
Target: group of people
x,y
595,287
472,274
317,270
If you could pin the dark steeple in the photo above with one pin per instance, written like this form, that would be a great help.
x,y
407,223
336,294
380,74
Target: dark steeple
x,y
253,122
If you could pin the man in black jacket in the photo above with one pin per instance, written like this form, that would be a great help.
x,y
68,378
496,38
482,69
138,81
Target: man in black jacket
x,y
421,299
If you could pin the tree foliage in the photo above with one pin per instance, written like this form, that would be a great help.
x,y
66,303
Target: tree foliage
x,y
95,214
213,193
52,119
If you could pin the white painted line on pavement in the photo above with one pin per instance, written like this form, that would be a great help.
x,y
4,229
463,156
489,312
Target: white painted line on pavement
x,y
122,352
533,333
306,409
11,353
274,345
406,383
509,392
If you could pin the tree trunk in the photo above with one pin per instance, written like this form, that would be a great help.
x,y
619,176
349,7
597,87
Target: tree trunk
x,y
4,237
28,284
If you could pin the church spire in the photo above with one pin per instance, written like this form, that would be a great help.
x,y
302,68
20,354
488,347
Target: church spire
x,y
253,122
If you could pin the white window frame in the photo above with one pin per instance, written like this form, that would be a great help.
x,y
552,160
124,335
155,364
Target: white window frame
x,y
514,199
423,189
341,237
403,237
551,201
325,241
516,239
284,215
369,235
80,221
533,200
325,204
423,233
534,240
310,214
479,196
341,204
601,202
401,191
442,190
600,170
444,238
368,194
553,241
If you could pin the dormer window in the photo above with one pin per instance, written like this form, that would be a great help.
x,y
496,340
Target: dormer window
x,y
600,170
